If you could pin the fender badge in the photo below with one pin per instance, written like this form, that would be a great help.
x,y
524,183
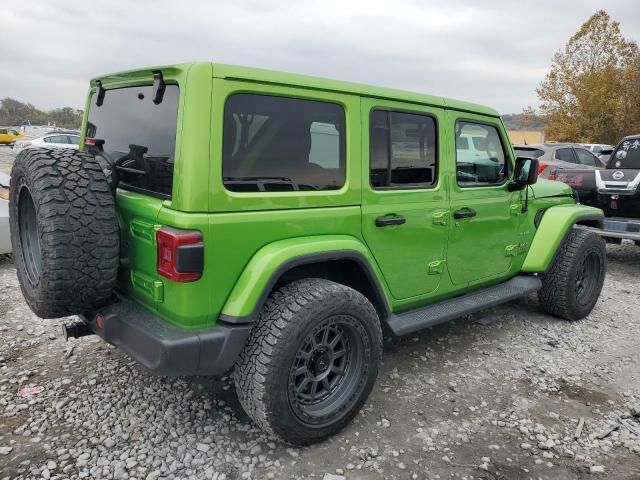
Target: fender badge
x,y
618,175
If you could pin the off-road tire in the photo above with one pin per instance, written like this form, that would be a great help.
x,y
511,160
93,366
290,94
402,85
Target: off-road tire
x,y
73,236
558,295
263,372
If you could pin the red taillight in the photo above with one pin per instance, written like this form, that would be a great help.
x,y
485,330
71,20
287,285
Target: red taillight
x,y
180,254
89,141
542,166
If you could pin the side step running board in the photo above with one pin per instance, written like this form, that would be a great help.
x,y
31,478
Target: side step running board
x,y
414,320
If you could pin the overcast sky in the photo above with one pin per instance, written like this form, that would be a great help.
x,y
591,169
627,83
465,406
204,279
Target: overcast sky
x,y
493,52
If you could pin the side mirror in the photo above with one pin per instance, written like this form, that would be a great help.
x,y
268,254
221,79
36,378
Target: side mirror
x,y
526,173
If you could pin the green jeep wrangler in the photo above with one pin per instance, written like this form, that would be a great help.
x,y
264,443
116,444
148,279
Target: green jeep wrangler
x,y
224,218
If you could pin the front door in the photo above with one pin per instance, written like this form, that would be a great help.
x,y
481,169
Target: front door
x,y
485,215
404,201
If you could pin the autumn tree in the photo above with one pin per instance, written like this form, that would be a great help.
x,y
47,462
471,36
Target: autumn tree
x,y
591,93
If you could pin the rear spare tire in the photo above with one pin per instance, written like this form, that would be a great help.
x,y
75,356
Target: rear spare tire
x,y
64,231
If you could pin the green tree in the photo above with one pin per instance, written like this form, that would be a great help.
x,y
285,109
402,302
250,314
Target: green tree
x,y
589,93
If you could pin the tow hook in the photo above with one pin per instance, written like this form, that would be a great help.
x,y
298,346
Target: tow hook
x,y
76,330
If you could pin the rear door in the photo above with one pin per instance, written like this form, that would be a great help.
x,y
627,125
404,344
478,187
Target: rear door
x,y
130,121
485,215
404,200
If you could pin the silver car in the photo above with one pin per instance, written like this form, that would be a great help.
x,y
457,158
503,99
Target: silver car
x,y
5,237
557,156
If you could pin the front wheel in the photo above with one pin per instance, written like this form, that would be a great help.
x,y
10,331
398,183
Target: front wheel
x,y
311,360
571,287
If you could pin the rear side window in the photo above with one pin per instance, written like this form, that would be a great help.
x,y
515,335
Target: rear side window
x,y
565,155
282,144
484,165
402,150
73,140
139,134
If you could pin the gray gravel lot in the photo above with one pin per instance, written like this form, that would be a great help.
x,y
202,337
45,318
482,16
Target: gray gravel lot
x,y
496,396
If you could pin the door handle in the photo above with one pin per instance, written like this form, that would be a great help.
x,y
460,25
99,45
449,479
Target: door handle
x,y
464,213
388,220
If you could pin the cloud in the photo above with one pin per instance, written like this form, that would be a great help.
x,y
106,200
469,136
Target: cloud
x,y
493,52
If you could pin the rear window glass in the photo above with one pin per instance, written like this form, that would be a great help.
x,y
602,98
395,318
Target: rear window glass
x,y
282,144
139,134
402,150
627,155
529,152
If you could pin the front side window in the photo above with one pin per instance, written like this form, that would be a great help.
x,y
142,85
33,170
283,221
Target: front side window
x,y
585,157
485,163
402,150
282,144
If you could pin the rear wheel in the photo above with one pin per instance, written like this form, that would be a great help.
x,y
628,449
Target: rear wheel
x,y
311,360
64,231
571,287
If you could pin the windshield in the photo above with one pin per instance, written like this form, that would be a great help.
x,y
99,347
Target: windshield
x,y
627,155
139,135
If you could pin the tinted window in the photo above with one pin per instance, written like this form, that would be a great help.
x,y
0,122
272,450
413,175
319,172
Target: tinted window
x,y
528,152
128,117
282,144
72,139
486,163
402,150
627,155
565,155
585,157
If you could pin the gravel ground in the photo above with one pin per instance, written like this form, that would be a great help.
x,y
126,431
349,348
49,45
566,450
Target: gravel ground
x,y
496,396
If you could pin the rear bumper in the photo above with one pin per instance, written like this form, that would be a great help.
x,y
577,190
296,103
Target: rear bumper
x,y
166,349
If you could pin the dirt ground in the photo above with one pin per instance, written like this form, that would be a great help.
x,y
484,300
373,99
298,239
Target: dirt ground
x,y
495,396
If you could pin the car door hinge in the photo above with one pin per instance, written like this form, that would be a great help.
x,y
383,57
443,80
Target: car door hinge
x,y
436,267
516,209
441,218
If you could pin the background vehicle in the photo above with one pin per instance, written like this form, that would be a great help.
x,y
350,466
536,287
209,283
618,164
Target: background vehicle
x,y
553,157
53,139
10,135
616,190
274,223
5,238
596,148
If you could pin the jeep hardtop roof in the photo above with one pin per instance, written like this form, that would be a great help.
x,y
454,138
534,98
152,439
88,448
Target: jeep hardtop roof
x,y
282,78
